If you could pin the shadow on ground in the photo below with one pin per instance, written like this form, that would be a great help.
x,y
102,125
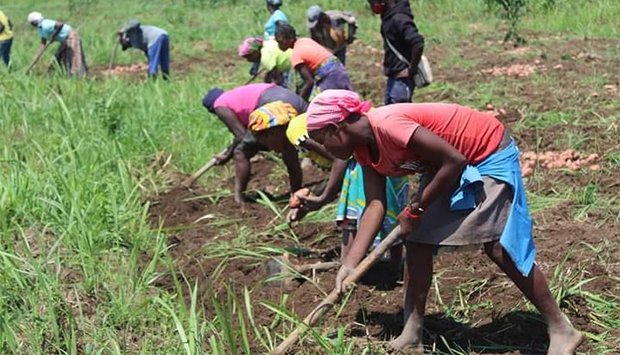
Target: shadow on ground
x,y
514,332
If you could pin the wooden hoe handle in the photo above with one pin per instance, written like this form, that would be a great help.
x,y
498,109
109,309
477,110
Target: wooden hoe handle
x,y
187,183
313,317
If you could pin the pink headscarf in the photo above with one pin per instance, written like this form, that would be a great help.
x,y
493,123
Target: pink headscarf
x,y
250,45
333,107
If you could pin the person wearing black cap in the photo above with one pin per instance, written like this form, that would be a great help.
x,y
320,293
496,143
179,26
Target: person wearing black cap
x,y
328,29
256,114
153,41
403,47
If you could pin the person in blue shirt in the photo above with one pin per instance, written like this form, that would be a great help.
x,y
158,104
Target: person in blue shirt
x,y
153,41
273,6
70,54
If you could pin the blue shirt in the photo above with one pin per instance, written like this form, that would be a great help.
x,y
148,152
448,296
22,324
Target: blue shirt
x,y
46,28
270,25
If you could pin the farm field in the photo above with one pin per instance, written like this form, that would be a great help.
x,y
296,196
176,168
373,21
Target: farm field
x,y
101,251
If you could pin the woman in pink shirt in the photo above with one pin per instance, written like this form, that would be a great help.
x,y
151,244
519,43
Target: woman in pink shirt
x,y
235,108
318,67
471,193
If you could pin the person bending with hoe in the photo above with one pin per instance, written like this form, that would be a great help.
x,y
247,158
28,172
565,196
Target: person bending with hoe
x,y
234,108
318,67
347,178
471,193
268,56
328,29
70,54
153,41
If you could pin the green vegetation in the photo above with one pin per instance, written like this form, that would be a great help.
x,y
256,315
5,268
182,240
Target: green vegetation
x,y
81,265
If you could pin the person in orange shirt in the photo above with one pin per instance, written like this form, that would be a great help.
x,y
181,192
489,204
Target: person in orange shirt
x,y
471,193
318,67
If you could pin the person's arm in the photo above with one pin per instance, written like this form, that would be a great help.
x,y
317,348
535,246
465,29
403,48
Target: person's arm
x,y
39,49
305,73
314,34
274,77
291,161
372,217
311,203
447,161
231,121
415,41
334,184
58,26
352,32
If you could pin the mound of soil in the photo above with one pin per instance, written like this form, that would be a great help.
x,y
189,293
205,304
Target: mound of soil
x,y
126,69
568,159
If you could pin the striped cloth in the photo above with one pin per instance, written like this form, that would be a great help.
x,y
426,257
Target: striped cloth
x,y
353,200
70,55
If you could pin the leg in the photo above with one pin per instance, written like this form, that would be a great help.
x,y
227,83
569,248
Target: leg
x,y
563,338
419,274
5,50
165,57
153,55
342,55
293,167
400,91
242,174
396,257
246,149
349,230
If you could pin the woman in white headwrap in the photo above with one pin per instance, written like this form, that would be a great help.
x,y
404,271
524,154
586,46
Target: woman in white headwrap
x,y
70,54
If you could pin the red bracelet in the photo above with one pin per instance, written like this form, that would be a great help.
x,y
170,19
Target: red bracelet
x,y
411,215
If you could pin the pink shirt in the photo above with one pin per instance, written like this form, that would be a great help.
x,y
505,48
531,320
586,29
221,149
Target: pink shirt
x,y
475,134
242,100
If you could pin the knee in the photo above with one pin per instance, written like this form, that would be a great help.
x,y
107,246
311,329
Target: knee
x,y
239,155
494,251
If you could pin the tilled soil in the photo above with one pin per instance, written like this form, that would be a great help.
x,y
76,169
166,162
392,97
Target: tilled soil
x,y
493,313
472,305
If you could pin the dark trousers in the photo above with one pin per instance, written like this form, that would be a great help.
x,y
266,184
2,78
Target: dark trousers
x,y
398,90
5,51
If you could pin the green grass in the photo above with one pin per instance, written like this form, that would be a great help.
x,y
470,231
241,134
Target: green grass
x,y
78,158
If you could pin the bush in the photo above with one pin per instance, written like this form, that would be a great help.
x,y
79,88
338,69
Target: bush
x,y
512,11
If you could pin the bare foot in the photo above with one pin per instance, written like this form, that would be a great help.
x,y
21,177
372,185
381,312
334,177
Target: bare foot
x,y
407,345
411,337
565,341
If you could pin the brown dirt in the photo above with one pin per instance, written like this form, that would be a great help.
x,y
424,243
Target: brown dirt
x,y
496,312
225,61
474,306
